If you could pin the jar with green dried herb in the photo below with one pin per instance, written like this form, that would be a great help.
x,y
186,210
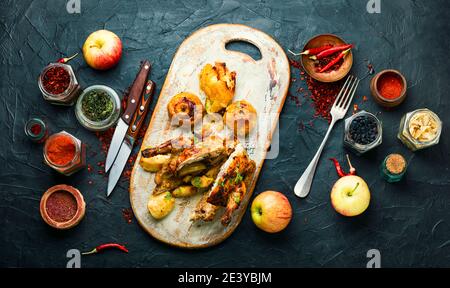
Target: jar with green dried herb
x,y
98,108
97,105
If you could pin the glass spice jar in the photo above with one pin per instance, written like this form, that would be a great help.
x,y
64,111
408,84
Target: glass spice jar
x,y
36,130
87,104
393,168
58,84
412,121
363,132
64,153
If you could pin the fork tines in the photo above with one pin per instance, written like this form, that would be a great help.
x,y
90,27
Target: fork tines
x,y
345,96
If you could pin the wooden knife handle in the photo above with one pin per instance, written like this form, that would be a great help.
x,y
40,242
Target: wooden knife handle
x,y
136,92
139,116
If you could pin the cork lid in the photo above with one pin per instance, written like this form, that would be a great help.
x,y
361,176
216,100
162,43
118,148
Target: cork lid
x,y
395,163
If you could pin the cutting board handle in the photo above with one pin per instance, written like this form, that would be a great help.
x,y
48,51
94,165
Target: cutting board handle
x,y
246,36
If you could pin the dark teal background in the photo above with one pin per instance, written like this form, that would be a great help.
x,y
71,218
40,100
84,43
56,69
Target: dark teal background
x,y
407,222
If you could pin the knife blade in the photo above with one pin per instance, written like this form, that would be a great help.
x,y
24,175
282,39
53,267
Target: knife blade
x,y
122,125
131,135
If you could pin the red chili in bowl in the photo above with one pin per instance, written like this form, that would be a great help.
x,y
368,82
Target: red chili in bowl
x,y
56,80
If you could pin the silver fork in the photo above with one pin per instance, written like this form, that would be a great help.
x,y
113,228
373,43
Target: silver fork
x,y
338,111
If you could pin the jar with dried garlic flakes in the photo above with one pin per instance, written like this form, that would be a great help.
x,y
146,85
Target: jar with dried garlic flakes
x,y
420,129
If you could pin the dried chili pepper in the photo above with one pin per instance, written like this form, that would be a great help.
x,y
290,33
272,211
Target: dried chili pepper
x,y
339,169
56,80
312,51
331,51
335,60
106,246
319,64
65,60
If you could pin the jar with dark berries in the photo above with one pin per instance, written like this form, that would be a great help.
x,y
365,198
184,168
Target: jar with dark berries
x,y
363,132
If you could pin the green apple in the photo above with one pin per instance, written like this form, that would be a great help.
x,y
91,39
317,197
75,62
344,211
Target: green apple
x,y
350,195
271,211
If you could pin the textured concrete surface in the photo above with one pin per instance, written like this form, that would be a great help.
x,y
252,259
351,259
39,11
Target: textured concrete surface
x,y
408,222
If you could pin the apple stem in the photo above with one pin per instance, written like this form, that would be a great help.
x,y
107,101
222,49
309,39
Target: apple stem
x,y
351,192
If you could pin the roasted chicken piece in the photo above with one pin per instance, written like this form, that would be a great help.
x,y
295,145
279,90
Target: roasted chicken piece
x,y
165,181
218,83
224,165
210,151
190,160
204,211
185,106
229,188
169,147
234,171
235,198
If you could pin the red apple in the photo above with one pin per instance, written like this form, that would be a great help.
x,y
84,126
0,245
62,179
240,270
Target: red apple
x,y
271,211
350,196
102,50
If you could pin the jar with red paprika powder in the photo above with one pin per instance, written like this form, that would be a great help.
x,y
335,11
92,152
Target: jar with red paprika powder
x,y
58,84
388,88
64,153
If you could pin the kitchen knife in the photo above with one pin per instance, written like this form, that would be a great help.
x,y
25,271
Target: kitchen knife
x,y
124,121
127,144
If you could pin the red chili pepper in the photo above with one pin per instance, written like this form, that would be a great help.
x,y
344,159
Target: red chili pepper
x,y
65,60
106,246
335,60
339,170
331,51
313,51
338,167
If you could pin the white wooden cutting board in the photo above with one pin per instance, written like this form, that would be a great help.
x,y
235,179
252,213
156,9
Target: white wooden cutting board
x,y
263,83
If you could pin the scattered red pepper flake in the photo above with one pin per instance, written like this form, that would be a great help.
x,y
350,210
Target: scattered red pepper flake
x,y
364,98
355,108
301,126
56,80
105,138
322,95
370,68
127,214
